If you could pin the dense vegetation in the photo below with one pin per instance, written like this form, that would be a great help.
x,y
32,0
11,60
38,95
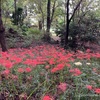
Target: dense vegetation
x,y
75,21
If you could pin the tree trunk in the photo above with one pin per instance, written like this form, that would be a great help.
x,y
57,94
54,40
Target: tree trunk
x,y
47,35
40,25
67,24
48,15
2,31
16,22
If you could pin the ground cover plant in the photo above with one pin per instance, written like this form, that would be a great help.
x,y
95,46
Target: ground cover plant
x,y
49,72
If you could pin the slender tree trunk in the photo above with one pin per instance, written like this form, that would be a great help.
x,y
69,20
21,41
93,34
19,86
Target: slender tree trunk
x,y
48,15
49,18
16,23
25,10
47,35
53,12
40,24
2,31
67,24
42,20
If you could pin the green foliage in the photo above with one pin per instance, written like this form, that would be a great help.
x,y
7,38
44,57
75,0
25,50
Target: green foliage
x,y
27,41
18,17
89,38
85,31
11,42
33,31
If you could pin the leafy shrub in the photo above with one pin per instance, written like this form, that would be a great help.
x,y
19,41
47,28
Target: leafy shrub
x,y
27,41
89,38
18,17
32,31
15,28
11,42
86,31
24,28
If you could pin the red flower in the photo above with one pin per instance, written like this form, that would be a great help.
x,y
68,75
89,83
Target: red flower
x,y
8,64
51,61
28,62
62,86
28,69
47,66
46,98
6,72
88,50
75,71
57,68
18,60
97,90
89,87
20,70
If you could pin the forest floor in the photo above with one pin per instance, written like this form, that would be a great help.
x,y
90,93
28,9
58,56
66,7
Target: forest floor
x,y
37,42
93,46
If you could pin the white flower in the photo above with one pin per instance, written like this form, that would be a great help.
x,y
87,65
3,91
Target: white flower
x,y
88,63
78,63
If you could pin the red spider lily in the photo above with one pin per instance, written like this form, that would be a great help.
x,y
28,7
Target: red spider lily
x,y
18,60
96,55
97,90
6,72
5,54
88,50
47,66
20,70
51,61
47,98
62,86
75,71
8,64
28,69
89,87
28,62
57,68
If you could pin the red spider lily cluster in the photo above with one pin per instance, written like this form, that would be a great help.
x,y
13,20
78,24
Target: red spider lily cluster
x,y
75,71
52,56
96,90
62,86
53,59
43,55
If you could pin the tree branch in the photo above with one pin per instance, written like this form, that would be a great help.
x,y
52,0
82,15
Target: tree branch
x,y
53,10
75,10
86,11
